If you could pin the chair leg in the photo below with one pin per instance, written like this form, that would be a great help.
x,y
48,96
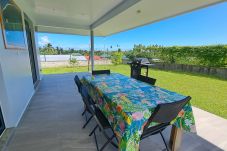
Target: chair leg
x,y
88,121
93,130
96,143
107,137
107,142
86,115
164,141
84,112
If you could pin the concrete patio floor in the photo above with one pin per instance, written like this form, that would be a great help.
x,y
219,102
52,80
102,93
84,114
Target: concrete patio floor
x,y
53,122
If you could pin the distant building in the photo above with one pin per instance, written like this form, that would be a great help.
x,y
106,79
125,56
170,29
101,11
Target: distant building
x,y
106,56
49,58
95,57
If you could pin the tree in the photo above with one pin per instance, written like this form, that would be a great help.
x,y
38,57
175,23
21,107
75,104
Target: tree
x,y
139,51
116,57
59,50
48,50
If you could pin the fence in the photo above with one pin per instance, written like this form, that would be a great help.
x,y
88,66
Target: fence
x,y
49,61
49,58
217,72
51,64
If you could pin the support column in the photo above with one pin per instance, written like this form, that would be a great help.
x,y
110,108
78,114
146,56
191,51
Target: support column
x,y
92,50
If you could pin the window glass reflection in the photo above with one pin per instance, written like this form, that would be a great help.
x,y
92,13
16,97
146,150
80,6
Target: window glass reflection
x,y
13,25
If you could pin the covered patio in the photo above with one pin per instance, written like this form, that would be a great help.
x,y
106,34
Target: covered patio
x,y
103,18
51,119
53,122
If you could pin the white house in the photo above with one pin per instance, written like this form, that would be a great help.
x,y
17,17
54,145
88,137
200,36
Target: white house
x,y
49,58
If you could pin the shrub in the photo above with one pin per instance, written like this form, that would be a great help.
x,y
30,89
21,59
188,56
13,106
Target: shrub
x,y
212,56
116,57
73,62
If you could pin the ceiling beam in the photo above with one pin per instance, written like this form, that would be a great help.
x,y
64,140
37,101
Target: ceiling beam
x,y
61,25
61,30
113,12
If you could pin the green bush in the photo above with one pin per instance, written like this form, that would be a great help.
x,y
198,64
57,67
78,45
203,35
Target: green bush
x,y
116,57
73,62
212,56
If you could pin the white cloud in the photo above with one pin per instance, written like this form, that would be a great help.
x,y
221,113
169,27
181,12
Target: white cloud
x,y
44,40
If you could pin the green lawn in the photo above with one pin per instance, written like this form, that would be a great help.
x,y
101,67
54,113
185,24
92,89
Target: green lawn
x,y
207,93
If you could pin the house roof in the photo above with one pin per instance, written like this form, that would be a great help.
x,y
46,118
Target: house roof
x,y
95,57
104,17
76,54
105,56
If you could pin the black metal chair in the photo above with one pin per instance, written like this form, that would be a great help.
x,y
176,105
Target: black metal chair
x,y
102,122
103,125
135,69
95,72
87,103
78,83
148,80
163,114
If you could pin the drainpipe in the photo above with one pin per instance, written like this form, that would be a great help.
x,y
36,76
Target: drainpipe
x,y
92,50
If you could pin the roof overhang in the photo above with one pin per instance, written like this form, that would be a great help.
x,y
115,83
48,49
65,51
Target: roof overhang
x,y
104,17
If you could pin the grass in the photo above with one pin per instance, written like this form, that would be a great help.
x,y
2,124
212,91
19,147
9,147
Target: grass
x,y
208,93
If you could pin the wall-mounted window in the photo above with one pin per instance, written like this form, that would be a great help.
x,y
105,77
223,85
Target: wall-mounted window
x,y
12,25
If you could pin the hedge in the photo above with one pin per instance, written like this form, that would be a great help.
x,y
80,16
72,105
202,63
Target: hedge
x,y
211,56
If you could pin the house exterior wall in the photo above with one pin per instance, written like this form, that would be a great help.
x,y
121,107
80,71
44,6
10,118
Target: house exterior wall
x,y
3,97
16,85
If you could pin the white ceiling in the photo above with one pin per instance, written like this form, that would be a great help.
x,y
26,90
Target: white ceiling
x,y
105,16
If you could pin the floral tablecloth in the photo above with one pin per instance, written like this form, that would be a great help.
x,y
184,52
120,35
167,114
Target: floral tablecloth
x,y
128,103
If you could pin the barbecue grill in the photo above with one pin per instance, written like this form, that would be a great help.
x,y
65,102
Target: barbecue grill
x,y
144,63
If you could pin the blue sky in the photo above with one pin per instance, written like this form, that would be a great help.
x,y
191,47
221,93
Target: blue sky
x,y
207,26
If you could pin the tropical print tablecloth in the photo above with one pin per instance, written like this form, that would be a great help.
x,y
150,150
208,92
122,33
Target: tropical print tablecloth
x,y
128,103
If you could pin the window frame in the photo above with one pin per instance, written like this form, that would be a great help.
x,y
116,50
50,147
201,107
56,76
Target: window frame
x,y
6,44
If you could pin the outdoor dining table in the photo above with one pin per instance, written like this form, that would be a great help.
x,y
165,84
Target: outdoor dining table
x,y
128,103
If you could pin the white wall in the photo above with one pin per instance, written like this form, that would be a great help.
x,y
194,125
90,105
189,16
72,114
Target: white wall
x,y
16,84
3,97
47,58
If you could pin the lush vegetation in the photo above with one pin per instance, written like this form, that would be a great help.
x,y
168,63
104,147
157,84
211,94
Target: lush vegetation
x,y
116,57
212,56
73,62
48,49
207,93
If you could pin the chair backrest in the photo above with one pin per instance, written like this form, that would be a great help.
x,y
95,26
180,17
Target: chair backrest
x,y
165,113
135,69
78,82
95,72
86,99
148,80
